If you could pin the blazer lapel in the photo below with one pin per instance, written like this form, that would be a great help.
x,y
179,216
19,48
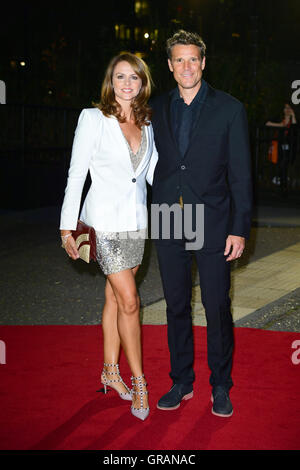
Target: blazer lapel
x,y
206,108
146,154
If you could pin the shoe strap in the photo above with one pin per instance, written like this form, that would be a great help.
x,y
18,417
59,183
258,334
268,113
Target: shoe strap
x,y
138,378
139,386
106,364
140,392
109,381
111,373
140,409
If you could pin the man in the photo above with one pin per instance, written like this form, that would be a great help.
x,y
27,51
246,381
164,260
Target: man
x,y
201,135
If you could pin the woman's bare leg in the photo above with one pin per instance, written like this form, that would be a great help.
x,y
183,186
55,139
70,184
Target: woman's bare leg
x,y
128,321
111,338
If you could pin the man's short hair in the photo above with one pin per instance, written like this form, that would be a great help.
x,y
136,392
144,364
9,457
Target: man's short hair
x,y
186,38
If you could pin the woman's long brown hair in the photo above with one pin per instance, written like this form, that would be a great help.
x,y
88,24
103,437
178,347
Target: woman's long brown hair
x,y
108,104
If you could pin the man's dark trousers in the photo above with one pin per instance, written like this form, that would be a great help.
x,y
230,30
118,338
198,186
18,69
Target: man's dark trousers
x,y
175,264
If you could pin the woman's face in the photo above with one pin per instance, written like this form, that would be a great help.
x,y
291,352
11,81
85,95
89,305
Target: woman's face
x,y
287,110
126,82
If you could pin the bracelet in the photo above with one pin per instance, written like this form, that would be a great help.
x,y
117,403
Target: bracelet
x,y
64,237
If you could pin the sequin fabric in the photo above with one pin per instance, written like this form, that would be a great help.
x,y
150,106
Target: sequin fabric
x,y
117,251
137,157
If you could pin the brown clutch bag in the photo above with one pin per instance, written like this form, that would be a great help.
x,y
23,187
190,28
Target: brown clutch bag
x,y
85,239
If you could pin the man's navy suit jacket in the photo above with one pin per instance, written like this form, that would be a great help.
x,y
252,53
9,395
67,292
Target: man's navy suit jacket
x,y
215,170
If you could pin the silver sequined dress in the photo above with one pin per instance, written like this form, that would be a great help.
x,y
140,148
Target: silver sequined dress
x,y
117,251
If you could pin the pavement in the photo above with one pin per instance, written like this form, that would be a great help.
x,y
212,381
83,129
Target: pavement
x,y
40,285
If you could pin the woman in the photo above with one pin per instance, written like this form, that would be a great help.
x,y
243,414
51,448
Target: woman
x,y
114,141
287,119
283,147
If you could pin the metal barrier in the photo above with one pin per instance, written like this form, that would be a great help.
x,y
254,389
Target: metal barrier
x,y
268,174
35,150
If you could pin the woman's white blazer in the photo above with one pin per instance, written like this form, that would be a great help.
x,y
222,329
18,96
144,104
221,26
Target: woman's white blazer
x,y
117,198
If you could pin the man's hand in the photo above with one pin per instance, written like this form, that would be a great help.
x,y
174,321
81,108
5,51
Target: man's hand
x,y
236,245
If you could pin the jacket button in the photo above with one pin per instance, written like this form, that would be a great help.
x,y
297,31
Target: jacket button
x,y
183,167
133,180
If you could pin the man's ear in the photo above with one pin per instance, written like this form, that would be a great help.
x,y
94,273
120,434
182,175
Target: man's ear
x,y
203,63
170,65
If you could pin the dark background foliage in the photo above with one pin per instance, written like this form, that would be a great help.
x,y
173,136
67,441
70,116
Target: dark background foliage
x,y
252,47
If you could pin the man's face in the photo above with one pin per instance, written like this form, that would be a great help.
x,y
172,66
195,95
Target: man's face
x,y
186,65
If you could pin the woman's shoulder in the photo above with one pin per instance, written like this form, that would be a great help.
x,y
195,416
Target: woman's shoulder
x,y
92,113
96,115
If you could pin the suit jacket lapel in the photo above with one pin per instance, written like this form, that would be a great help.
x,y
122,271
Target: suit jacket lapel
x,y
167,109
206,109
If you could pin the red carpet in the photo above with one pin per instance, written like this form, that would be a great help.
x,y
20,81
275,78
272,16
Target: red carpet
x,y
48,394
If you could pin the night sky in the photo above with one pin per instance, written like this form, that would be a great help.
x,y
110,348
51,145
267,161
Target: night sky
x,y
66,45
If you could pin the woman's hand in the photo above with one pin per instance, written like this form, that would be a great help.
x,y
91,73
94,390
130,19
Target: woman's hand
x,y
69,244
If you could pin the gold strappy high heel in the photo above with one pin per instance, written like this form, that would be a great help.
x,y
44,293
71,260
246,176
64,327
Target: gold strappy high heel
x,y
108,382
